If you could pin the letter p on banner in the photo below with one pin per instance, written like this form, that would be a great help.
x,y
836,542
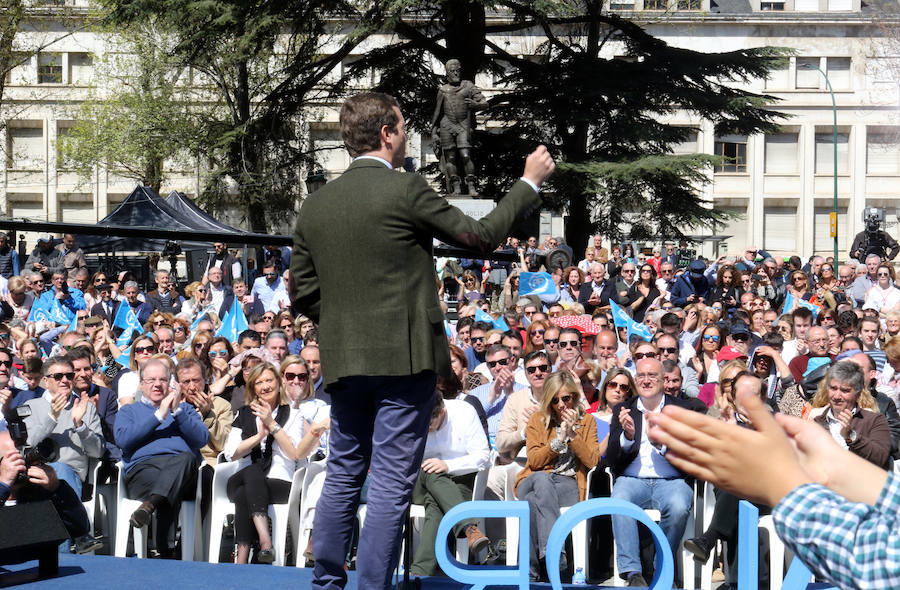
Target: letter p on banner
x,y
480,576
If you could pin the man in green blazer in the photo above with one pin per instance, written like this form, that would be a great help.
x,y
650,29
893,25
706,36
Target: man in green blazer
x,y
362,267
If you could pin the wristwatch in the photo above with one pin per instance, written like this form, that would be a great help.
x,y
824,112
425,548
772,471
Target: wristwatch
x,y
851,438
275,429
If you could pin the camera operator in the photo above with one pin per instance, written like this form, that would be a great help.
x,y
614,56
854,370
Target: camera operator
x,y
873,240
32,483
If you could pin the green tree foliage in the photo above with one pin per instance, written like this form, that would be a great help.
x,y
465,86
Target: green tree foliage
x,y
604,118
262,64
140,120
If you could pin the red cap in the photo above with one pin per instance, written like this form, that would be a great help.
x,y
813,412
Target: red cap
x,y
729,353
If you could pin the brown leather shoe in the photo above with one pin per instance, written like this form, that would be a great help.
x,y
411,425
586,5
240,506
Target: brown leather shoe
x,y
477,540
141,517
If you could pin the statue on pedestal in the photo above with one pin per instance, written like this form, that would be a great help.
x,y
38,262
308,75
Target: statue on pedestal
x,y
452,125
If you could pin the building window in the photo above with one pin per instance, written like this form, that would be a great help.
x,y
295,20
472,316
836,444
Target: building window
x,y
81,68
26,146
621,5
807,74
733,150
686,147
690,4
782,151
840,5
838,70
825,153
655,4
883,151
780,76
780,229
50,68
770,6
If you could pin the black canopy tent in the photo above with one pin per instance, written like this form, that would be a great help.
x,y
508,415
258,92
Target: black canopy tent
x,y
144,208
197,218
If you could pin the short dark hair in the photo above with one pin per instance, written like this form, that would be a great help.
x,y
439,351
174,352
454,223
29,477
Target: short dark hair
x,y
80,353
570,331
537,354
465,322
515,335
249,334
847,322
773,339
53,361
495,348
670,320
483,326
188,363
362,117
802,313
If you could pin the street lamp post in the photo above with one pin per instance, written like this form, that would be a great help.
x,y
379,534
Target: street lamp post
x,y
834,213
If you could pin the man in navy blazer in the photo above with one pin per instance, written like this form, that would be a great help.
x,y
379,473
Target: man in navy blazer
x,y
642,474
107,307
598,291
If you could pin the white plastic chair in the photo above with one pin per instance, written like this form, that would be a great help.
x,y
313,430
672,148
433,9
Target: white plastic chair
x,y
580,534
285,516
187,519
683,558
102,500
777,553
220,506
417,514
313,469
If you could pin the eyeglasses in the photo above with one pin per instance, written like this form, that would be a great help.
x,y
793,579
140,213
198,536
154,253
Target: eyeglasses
x,y
828,268
300,376
644,355
159,322
179,328
502,362
537,331
529,313
569,344
476,339
100,281
214,353
617,385
143,349
155,380
6,363
628,270
269,318
200,290
741,337
270,274
199,345
535,368
711,338
564,399
551,340
646,270
287,326
668,349
59,376
884,274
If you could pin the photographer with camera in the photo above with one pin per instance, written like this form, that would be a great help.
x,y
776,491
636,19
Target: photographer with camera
x,y
874,240
27,481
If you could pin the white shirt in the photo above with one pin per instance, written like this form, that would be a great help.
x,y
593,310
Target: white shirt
x,y
460,441
217,296
282,467
649,463
270,295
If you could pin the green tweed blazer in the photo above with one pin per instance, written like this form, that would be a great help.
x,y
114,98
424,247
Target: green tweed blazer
x,y
362,267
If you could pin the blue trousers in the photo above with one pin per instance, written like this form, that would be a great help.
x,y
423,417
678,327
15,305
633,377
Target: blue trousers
x,y
672,497
379,425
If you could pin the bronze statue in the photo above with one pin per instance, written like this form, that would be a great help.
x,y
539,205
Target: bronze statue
x,y
452,125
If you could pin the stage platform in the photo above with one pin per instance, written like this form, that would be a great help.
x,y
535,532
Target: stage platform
x,y
96,572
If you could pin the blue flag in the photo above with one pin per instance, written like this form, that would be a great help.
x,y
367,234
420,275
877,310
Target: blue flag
x,y
482,316
128,321
74,325
59,313
125,358
621,320
536,283
233,323
38,312
620,317
790,301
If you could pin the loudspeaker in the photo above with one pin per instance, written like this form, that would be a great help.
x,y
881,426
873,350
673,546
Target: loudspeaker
x,y
32,531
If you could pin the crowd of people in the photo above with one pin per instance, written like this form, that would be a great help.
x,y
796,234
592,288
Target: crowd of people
x,y
532,400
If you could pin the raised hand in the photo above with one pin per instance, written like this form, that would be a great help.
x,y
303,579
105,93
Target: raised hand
x,y
627,423
539,165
